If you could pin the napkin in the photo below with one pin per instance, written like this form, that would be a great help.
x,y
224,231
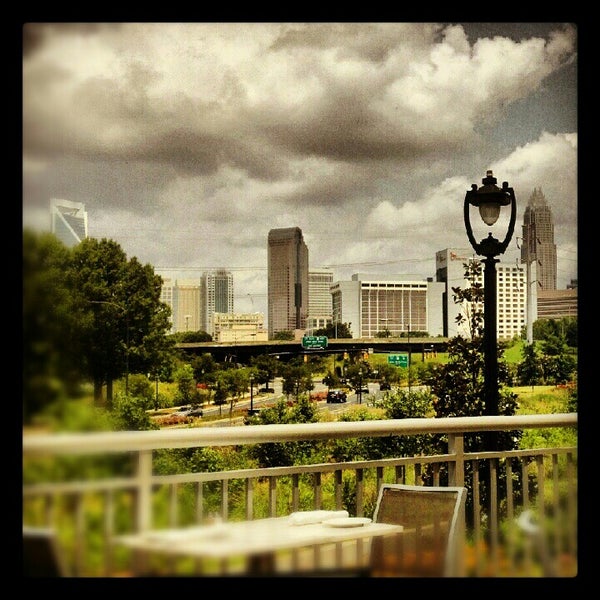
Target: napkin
x,y
316,516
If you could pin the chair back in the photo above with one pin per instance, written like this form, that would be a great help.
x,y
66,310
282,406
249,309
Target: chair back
x,y
433,520
41,554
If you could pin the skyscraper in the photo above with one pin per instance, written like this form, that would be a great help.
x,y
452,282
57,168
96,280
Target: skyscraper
x,y
319,298
511,282
68,221
538,240
216,296
186,305
287,302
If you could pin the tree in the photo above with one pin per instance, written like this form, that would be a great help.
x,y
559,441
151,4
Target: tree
x,y
285,453
122,320
458,385
283,335
332,330
190,337
51,346
297,379
186,386
266,368
530,368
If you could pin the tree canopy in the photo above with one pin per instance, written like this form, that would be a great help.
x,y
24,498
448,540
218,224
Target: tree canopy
x,y
89,314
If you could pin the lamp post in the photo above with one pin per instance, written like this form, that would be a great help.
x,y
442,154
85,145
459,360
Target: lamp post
x,y
251,394
489,198
126,312
360,386
409,354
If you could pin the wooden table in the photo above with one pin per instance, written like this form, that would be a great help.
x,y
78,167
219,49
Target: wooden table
x,y
258,541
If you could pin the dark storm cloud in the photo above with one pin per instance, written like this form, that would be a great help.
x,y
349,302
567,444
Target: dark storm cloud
x,y
189,141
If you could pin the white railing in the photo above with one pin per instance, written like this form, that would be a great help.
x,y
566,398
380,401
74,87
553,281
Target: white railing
x,y
88,512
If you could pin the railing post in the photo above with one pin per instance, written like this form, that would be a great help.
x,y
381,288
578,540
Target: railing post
x,y
456,477
456,466
144,491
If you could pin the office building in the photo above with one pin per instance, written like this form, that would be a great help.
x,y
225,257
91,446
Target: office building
x,y
186,305
238,328
287,292
538,241
319,299
216,296
68,221
371,304
511,290
556,304
166,296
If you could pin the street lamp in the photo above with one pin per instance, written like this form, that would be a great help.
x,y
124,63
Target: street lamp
x,y
360,386
409,354
126,312
489,198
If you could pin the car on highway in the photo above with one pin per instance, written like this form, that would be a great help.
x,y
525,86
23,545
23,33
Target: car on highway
x,y
362,390
336,396
190,411
384,385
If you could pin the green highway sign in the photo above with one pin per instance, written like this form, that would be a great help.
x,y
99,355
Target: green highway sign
x,y
399,360
314,341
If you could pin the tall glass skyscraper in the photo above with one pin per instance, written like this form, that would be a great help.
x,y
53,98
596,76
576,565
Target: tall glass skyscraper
x,y
287,280
538,240
68,221
216,296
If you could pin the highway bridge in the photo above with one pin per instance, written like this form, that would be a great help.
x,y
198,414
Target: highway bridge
x,y
241,352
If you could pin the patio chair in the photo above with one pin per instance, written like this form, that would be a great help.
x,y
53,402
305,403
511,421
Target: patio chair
x,y
41,553
433,520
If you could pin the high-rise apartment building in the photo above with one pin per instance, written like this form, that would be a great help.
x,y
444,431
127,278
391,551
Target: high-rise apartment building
x,y
216,296
371,304
511,284
319,298
538,240
68,221
287,294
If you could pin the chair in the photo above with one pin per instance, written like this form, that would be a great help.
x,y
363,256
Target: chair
x,y
433,520
41,554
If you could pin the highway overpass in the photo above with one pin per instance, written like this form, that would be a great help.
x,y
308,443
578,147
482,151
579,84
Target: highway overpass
x,y
241,352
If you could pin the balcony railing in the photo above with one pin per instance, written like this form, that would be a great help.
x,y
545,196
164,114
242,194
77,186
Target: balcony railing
x,y
88,512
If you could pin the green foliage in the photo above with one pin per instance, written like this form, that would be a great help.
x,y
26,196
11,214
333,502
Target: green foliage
x,y
333,331
530,369
141,387
265,367
359,373
283,335
130,413
297,379
186,386
564,328
402,404
204,366
89,314
190,337
51,351
288,453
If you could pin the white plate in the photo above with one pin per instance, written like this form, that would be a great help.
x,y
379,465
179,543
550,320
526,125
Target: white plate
x,y
347,522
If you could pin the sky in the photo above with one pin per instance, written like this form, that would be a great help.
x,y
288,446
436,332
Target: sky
x,y
189,142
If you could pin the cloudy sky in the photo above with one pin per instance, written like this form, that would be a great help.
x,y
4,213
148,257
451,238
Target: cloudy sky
x,y
188,142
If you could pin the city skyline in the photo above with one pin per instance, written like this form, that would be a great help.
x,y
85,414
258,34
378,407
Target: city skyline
x,y
188,142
